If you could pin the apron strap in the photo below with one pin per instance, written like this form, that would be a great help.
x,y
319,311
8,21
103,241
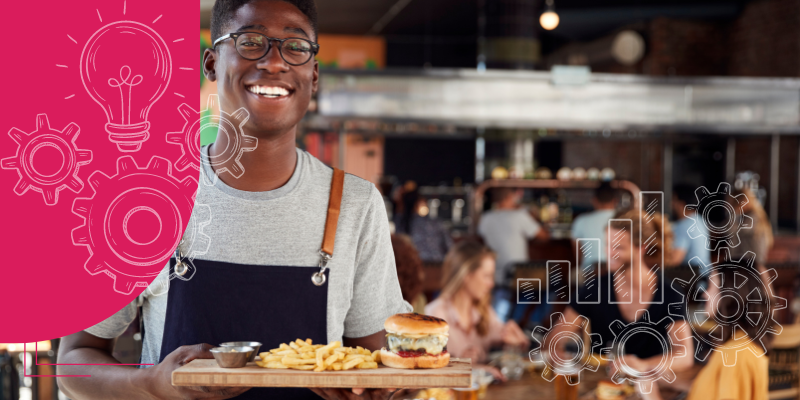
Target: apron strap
x,y
334,205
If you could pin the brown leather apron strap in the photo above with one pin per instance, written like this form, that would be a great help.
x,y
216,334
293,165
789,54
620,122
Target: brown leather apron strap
x,y
334,206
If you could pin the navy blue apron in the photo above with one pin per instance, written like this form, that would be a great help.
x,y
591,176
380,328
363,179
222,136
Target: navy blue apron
x,y
226,302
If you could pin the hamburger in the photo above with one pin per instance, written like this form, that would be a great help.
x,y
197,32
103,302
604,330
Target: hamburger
x,y
415,341
607,390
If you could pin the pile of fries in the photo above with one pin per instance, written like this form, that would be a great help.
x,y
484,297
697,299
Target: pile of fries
x,y
304,355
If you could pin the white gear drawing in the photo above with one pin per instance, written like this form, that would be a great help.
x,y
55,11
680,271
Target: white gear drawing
x,y
744,269
195,242
49,185
554,364
721,200
227,124
129,261
642,325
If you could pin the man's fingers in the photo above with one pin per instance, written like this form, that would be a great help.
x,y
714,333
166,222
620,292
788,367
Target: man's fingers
x,y
229,392
358,391
203,350
197,351
333,394
217,392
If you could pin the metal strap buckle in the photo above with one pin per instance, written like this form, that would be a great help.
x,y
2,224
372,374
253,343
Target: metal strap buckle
x,y
319,277
180,267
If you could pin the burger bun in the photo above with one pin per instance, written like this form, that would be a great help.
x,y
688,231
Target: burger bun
x,y
393,360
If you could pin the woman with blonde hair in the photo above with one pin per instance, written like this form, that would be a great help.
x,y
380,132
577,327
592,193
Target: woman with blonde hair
x,y
465,303
635,248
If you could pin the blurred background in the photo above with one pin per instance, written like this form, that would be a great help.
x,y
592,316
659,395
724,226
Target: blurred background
x,y
440,102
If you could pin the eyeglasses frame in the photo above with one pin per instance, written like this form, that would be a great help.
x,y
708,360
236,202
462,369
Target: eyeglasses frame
x,y
235,36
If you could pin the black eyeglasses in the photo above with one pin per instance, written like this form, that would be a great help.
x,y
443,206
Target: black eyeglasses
x,y
253,45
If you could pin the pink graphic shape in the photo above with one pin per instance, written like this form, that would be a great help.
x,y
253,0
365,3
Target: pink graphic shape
x,y
132,222
36,362
43,174
126,67
47,292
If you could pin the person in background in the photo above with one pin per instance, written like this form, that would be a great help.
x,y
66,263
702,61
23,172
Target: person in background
x,y
757,239
630,271
409,272
747,379
685,248
467,280
427,234
593,224
506,229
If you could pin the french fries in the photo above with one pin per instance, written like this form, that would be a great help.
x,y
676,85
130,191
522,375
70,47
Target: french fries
x,y
307,356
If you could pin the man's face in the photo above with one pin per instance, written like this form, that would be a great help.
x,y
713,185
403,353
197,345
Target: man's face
x,y
237,77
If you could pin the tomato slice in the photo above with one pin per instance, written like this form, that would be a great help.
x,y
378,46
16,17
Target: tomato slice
x,y
415,353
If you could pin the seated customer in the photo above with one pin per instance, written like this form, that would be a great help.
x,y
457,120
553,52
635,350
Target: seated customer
x,y
684,247
628,271
409,272
506,229
592,225
746,378
468,279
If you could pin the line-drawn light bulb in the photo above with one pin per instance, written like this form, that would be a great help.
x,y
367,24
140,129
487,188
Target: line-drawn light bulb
x,y
126,67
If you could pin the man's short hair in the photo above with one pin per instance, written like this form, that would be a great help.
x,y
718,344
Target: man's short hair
x,y
684,193
223,12
501,193
605,193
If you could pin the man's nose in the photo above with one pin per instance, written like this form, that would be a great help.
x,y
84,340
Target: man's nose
x,y
272,61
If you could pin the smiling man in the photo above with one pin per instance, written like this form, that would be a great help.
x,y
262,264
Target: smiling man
x,y
271,232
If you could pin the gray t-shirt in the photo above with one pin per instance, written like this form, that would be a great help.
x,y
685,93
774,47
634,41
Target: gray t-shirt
x,y
285,227
507,233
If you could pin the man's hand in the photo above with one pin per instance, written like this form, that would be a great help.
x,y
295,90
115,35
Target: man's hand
x,y
349,394
513,335
161,377
492,370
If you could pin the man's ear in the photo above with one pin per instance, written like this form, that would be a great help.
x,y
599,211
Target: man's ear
x,y
315,78
209,65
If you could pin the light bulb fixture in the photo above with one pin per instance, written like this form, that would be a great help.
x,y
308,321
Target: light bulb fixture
x,y
126,67
549,19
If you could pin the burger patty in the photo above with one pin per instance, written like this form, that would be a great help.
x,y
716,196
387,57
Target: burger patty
x,y
430,344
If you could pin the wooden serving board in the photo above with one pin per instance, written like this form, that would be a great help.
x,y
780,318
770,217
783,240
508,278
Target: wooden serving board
x,y
206,372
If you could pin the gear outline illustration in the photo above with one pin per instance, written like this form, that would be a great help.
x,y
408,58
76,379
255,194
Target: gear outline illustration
x,y
734,207
554,365
112,251
45,136
199,243
642,325
189,137
744,268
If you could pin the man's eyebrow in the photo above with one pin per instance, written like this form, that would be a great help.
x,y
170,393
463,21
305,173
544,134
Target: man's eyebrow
x,y
297,31
247,27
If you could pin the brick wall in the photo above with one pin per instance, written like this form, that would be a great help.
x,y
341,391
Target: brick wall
x,y
765,39
686,48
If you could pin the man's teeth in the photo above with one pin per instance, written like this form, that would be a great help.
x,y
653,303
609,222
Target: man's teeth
x,y
270,91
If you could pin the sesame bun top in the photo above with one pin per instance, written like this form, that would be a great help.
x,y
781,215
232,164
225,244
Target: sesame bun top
x,y
416,324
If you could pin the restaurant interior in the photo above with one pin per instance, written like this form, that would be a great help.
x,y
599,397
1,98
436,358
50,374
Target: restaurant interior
x,y
449,105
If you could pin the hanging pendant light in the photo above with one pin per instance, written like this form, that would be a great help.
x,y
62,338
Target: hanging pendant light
x,y
549,19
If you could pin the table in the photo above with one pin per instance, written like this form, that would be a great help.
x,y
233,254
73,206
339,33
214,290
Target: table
x,y
533,386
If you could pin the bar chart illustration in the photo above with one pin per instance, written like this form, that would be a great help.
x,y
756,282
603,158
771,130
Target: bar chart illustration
x,y
652,213
558,282
620,247
529,291
588,249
